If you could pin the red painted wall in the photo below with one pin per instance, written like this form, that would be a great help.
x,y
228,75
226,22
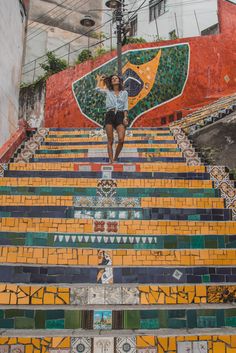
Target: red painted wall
x,y
212,75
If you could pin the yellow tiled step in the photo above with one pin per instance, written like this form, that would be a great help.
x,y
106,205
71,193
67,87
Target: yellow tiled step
x,y
98,147
92,183
144,167
127,227
14,294
92,257
166,202
93,139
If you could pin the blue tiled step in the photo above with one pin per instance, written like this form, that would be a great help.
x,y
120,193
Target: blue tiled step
x,y
85,150
127,142
135,134
106,160
117,214
140,275
99,175
119,241
120,192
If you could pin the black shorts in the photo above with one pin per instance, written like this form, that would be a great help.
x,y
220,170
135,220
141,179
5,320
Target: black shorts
x,y
114,118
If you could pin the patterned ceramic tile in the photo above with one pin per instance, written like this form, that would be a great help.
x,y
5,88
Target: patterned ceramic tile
x,y
81,345
184,347
17,348
130,295
96,295
112,295
103,344
222,181
147,350
79,296
200,347
102,319
4,348
3,167
125,345
184,144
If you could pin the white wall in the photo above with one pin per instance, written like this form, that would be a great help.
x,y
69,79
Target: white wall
x,y
11,43
179,16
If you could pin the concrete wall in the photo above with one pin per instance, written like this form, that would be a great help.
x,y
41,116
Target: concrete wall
x,y
32,100
52,26
12,29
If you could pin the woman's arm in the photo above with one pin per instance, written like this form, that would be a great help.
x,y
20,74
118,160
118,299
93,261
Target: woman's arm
x,y
101,86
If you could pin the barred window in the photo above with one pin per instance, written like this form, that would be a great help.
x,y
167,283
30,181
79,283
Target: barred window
x,y
156,9
134,26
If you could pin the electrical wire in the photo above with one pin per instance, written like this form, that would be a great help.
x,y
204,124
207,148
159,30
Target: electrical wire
x,y
57,18
78,37
60,11
46,13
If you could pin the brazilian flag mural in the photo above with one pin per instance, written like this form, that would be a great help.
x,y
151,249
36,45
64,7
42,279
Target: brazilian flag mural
x,y
152,76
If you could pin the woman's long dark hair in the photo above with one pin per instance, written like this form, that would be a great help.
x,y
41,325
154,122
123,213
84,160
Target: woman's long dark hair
x,y
109,83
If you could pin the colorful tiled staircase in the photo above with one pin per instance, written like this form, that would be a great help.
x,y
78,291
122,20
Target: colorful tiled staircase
x,y
138,256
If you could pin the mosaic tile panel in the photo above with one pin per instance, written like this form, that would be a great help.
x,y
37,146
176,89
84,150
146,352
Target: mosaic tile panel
x,y
161,73
174,344
225,185
184,144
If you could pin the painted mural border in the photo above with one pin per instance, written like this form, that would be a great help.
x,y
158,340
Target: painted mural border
x,y
132,50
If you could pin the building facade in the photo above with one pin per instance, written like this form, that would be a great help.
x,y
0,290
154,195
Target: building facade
x,y
12,26
167,19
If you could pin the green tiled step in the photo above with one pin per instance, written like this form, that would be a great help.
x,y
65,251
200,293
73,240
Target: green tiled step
x,y
119,241
120,192
125,319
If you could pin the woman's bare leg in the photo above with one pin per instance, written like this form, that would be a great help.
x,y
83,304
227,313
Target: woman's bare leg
x,y
110,139
121,138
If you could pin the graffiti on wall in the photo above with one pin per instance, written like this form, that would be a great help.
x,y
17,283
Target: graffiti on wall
x,y
152,77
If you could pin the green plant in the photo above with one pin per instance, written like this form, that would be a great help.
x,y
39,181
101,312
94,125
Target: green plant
x,y
53,64
85,55
134,40
100,51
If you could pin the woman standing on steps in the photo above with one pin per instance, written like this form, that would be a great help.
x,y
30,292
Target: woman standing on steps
x,y
117,111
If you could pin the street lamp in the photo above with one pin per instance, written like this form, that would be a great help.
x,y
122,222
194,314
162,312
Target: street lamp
x,y
113,4
117,5
87,21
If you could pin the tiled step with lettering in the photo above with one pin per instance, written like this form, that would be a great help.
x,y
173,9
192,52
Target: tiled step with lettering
x,y
73,129
133,139
101,149
117,214
33,274
107,241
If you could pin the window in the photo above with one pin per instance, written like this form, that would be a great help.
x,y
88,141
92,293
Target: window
x,y
156,9
171,118
134,26
163,120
